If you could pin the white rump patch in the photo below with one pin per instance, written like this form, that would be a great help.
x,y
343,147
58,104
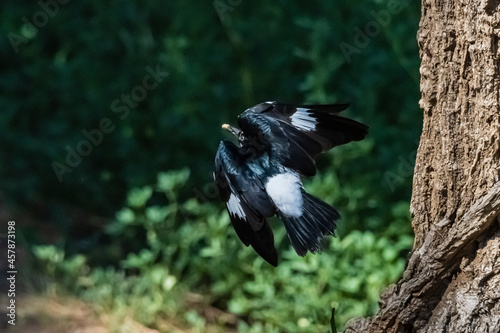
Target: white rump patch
x,y
234,206
304,120
284,190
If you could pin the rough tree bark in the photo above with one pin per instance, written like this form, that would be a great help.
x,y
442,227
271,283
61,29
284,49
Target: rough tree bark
x,y
452,281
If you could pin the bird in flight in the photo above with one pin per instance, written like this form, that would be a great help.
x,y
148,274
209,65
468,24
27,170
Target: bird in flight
x,y
263,176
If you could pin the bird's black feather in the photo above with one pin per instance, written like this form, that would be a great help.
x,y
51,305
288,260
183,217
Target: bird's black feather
x,y
306,232
262,177
252,227
274,126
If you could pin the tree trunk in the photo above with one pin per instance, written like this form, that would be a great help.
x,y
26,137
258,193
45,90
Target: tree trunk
x,y
452,281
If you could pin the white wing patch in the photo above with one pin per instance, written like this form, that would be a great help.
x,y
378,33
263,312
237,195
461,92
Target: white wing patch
x,y
234,206
304,120
285,191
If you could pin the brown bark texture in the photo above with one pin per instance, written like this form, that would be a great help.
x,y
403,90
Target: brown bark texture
x,y
452,281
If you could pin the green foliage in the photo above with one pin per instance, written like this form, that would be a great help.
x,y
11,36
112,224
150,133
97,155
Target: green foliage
x,y
192,247
333,326
218,64
170,239
56,269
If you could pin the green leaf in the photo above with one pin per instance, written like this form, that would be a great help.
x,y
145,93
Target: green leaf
x,y
137,197
125,215
172,180
333,326
157,214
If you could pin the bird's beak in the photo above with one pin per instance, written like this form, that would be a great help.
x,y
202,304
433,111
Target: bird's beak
x,y
234,130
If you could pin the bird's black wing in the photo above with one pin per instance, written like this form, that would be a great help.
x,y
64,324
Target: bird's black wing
x,y
309,129
267,135
246,200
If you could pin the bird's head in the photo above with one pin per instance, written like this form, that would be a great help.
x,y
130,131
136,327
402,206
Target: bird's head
x,y
235,131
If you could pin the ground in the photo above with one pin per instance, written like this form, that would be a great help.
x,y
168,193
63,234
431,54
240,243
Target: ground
x,y
44,314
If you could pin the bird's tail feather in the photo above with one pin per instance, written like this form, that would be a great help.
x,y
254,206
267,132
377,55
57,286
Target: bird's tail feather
x,y
306,231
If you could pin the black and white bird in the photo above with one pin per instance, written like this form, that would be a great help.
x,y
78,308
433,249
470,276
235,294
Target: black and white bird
x,y
263,176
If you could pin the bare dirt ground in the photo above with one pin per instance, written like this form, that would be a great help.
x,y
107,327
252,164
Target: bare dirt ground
x,y
62,315
65,314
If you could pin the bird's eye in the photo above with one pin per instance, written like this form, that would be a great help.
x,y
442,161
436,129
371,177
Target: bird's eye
x,y
241,136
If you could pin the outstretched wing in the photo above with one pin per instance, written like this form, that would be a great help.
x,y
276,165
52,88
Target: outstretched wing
x,y
246,200
308,130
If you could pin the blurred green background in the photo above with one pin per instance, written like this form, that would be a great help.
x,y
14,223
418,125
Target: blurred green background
x,y
111,114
